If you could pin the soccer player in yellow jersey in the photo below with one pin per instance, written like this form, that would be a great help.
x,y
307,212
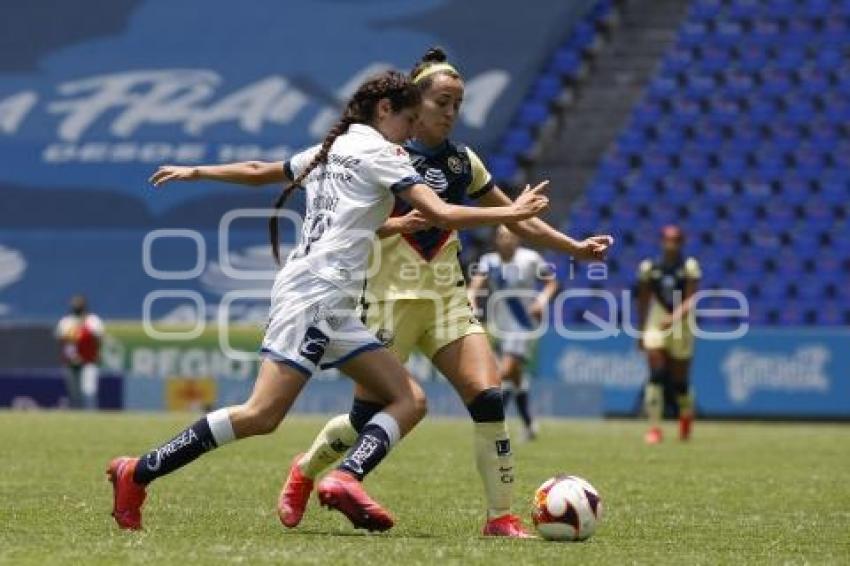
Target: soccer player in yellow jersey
x,y
415,298
666,287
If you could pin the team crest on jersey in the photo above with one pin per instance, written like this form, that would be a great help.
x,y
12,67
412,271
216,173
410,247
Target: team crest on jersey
x,y
455,164
436,179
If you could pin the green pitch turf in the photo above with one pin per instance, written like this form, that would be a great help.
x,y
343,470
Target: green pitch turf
x,y
737,494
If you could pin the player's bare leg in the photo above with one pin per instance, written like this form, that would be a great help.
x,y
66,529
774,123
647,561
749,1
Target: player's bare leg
x,y
404,406
679,375
654,394
275,390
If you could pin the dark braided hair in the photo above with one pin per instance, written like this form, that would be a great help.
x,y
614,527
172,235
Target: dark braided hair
x,y
361,109
433,56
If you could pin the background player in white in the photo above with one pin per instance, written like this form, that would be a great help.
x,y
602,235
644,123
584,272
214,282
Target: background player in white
x,y
80,334
350,181
514,312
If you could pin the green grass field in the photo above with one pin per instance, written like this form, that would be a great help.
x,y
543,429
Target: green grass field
x,y
737,494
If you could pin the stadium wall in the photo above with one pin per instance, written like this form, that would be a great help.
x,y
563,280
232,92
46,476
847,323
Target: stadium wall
x,y
796,373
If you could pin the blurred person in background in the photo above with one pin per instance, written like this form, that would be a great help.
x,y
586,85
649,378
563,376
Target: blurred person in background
x,y
666,286
513,319
80,333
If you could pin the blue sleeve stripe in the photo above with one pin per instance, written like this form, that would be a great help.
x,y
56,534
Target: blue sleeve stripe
x,y
517,309
406,183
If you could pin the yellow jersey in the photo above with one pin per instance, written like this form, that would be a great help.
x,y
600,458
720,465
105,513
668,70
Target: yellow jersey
x,y
425,264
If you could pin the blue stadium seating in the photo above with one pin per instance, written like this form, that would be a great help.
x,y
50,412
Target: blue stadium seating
x,y
742,137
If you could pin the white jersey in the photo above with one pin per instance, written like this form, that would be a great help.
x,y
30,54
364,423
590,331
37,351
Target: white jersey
x,y
348,199
313,320
513,287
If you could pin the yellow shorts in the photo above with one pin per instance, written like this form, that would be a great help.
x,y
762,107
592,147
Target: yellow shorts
x,y
427,324
677,341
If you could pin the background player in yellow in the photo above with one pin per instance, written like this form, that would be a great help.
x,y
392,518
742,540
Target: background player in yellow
x,y
665,316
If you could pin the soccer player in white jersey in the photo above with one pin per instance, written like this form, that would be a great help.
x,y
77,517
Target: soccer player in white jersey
x,y
514,311
351,180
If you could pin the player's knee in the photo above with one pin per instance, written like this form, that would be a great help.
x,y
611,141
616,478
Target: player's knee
x,y
362,412
487,407
657,376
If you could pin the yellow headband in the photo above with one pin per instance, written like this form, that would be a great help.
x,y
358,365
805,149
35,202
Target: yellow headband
x,y
432,69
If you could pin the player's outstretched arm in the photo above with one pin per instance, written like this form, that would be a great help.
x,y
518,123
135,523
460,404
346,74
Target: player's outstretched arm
x,y
531,202
413,221
539,233
254,173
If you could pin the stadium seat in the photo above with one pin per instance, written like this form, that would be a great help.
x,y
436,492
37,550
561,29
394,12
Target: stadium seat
x,y
740,137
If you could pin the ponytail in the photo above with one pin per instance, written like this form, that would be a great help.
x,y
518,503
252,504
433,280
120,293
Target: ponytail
x,y
360,109
321,157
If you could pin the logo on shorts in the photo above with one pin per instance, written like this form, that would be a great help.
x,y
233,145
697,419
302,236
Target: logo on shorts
x,y
455,164
313,345
386,337
503,447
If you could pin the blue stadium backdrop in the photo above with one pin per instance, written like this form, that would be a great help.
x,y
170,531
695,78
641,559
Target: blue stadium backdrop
x,y
89,108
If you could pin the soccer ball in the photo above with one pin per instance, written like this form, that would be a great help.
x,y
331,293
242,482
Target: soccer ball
x,y
566,508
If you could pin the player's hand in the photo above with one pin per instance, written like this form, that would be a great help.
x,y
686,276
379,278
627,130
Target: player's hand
x,y
167,173
595,247
414,221
531,201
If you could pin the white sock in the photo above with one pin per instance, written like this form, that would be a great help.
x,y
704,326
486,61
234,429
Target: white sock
x,y
221,427
388,423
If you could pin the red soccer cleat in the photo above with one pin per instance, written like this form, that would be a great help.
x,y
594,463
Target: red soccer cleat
x,y
653,436
506,526
685,424
341,491
127,495
294,495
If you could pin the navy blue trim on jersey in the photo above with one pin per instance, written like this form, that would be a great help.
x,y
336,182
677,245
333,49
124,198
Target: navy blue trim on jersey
x,y
287,170
351,354
405,183
418,147
489,186
518,311
281,359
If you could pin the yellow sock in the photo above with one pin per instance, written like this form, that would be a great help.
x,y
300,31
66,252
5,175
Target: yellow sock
x,y
495,463
653,402
329,446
